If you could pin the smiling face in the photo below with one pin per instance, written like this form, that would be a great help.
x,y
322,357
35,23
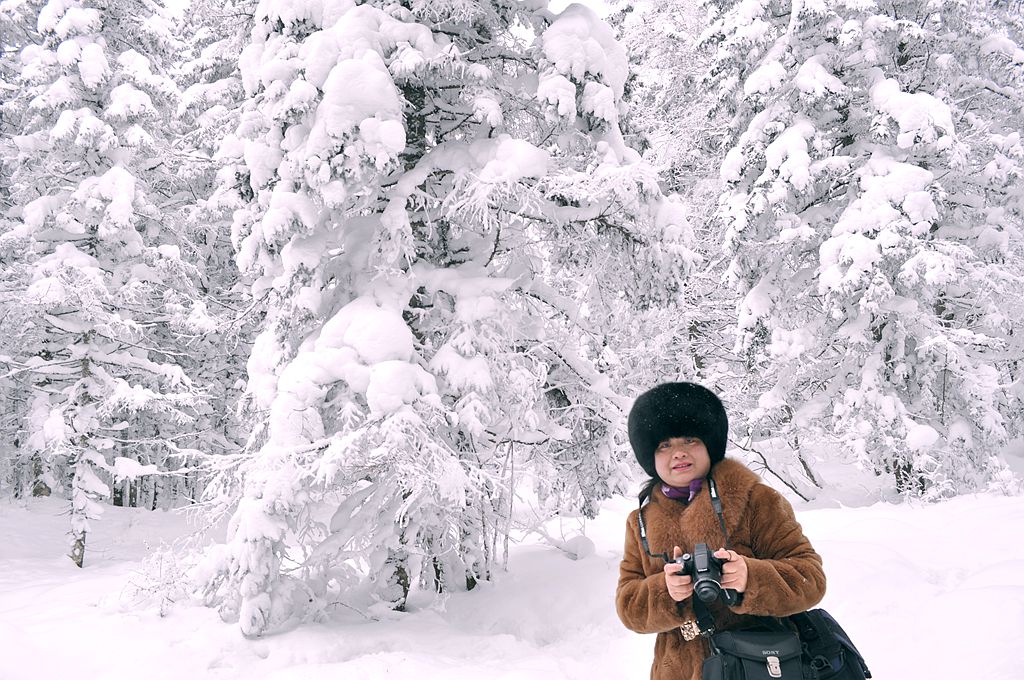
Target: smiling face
x,y
680,460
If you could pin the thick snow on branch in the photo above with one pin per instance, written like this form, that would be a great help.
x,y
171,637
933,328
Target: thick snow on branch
x,y
578,42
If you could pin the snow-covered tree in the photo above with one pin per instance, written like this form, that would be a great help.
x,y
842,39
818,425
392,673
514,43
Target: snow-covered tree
x,y
212,36
222,330
873,216
98,271
434,199
675,121
17,29
671,119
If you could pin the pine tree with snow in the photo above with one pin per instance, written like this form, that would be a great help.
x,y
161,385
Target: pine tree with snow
x,y
873,217
433,199
101,272
17,24
688,334
221,327
669,109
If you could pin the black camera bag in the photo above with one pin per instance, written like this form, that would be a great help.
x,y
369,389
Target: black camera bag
x,y
819,649
828,651
754,655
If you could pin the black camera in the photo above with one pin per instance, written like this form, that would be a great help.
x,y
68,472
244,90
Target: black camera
x,y
706,571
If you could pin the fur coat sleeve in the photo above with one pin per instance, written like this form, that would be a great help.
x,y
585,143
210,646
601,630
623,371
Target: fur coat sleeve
x,y
642,599
785,574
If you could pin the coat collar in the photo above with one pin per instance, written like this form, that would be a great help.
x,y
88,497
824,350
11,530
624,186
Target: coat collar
x,y
735,484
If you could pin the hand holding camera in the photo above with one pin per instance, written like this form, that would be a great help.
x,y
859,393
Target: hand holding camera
x,y
721,575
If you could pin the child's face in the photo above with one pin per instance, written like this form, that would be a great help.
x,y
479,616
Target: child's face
x,y
680,460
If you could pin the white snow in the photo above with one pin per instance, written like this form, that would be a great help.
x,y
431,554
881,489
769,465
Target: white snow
x,y
136,137
171,252
93,65
50,429
376,332
126,101
508,159
814,80
790,344
920,437
904,580
63,18
68,52
129,468
262,160
902,577
94,133
136,65
556,89
757,303
1000,44
382,139
61,93
465,373
66,255
921,117
599,99
846,259
116,187
934,267
394,384
920,208
67,123
731,169
199,318
873,220
579,42
765,78
357,90
787,154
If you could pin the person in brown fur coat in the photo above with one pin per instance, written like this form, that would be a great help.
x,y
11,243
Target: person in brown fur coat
x,y
678,432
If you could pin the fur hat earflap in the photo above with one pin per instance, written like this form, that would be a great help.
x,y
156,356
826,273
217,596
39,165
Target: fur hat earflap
x,y
677,409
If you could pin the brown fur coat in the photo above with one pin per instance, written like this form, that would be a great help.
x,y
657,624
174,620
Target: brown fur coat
x,y
784,572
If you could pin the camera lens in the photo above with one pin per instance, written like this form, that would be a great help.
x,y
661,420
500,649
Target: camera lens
x,y
707,590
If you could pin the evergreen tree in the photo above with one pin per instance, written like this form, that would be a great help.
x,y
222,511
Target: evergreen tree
x,y
873,216
434,199
220,329
670,117
674,119
95,258
17,29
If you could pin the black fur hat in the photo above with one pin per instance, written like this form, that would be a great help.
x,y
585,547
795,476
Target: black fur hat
x,y
679,409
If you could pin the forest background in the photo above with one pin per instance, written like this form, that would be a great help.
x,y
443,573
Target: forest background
x,y
373,284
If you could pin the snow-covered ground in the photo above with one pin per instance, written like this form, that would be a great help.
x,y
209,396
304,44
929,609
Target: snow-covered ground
x,y
930,592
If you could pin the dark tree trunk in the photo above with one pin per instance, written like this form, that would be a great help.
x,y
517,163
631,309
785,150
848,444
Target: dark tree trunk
x,y
78,551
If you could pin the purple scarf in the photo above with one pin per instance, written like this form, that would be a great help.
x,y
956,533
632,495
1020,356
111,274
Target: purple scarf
x,y
683,494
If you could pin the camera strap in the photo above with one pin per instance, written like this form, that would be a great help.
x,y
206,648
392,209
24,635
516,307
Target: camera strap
x,y
716,503
705,620
643,537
